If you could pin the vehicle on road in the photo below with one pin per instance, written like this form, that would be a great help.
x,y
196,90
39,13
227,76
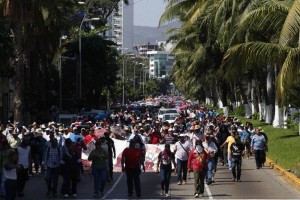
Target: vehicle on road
x,y
163,111
171,118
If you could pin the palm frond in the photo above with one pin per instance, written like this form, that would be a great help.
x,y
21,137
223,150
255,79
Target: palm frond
x,y
245,56
290,30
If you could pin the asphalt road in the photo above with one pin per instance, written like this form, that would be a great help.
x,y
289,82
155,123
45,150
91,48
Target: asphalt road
x,y
256,184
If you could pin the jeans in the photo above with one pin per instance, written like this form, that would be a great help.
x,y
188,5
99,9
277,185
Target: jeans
x,y
229,160
51,179
165,175
181,170
133,178
210,168
259,158
236,168
100,178
199,181
10,189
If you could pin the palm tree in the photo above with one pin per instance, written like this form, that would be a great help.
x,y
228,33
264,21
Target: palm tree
x,y
281,52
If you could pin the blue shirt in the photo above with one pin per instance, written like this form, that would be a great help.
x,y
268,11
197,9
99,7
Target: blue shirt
x,y
74,137
244,135
258,142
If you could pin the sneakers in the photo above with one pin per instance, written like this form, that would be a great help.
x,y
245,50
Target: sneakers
x,y
201,195
230,168
74,195
66,196
167,195
196,195
183,182
162,192
179,183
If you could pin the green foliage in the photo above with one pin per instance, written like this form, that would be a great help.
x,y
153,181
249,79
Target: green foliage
x,y
291,123
240,111
255,115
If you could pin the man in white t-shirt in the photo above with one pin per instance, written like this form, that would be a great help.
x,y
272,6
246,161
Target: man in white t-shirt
x,y
181,150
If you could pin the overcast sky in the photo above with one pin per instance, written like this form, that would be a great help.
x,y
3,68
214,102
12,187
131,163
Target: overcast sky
x,y
148,12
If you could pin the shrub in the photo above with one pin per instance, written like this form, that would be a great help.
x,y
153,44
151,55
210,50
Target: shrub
x,y
255,115
240,111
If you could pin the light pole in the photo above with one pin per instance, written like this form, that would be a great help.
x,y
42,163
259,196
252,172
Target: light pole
x,y
123,77
63,37
134,72
80,57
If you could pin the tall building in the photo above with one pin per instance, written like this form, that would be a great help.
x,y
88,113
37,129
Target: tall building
x,y
160,63
121,23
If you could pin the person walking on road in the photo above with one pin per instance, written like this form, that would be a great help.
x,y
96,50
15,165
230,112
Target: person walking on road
x,y
24,158
131,165
197,163
164,165
53,160
69,169
236,150
98,157
258,146
181,150
230,139
211,149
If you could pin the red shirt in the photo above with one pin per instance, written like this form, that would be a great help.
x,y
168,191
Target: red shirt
x,y
197,161
155,137
131,156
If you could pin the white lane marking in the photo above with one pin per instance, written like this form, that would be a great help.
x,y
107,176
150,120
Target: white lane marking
x,y
208,192
113,187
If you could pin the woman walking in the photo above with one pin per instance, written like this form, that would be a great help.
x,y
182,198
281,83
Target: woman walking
x,y
164,163
197,162
98,157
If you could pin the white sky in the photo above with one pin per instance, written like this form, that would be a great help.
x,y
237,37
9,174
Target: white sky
x,y
148,12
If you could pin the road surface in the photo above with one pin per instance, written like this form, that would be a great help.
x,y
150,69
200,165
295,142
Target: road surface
x,y
263,183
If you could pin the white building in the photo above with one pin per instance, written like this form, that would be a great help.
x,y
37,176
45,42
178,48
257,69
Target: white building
x,y
121,23
160,63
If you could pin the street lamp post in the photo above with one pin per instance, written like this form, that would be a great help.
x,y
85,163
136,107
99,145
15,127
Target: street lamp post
x,y
80,57
123,77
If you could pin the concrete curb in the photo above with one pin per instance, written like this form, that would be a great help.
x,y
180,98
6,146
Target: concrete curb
x,y
284,172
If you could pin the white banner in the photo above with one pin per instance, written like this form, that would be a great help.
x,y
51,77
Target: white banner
x,y
152,151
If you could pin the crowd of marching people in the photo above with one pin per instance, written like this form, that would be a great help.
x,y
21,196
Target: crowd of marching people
x,y
200,137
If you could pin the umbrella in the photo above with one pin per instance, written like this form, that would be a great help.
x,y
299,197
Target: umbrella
x,y
100,132
100,116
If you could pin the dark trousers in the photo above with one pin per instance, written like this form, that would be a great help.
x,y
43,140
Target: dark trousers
x,y
259,158
133,178
22,177
10,189
225,155
199,181
100,178
165,175
181,170
110,166
68,180
236,168
51,179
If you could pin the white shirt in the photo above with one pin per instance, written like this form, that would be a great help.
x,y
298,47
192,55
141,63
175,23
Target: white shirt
x,y
182,150
211,147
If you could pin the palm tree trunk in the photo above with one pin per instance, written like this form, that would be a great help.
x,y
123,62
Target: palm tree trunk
x,y
270,94
224,99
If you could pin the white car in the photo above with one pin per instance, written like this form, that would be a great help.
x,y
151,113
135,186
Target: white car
x,y
163,111
171,118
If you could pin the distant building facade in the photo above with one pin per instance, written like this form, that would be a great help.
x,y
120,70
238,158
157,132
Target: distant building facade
x,y
121,23
142,49
160,63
